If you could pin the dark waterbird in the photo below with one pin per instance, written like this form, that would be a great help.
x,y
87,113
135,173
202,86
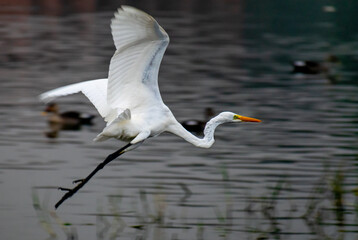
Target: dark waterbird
x,y
66,118
314,67
69,120
197,126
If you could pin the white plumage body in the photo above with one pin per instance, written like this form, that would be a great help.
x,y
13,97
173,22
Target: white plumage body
x,y
129,100
132,83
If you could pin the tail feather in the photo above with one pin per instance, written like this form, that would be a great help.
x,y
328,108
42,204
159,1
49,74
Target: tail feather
x,y
100,138
112,127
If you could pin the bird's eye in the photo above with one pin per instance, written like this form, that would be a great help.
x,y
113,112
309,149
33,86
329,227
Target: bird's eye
x,y
236,117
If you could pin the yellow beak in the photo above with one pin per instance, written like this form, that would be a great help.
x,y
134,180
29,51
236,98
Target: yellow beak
x,y
247,119
44,113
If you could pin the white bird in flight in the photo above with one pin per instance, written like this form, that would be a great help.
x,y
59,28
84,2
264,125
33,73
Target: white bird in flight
x,y
129,100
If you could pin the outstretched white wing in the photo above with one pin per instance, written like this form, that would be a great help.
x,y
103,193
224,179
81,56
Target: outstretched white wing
x,y
94,90
133,72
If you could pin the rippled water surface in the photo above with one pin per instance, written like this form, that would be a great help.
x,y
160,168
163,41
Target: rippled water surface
x,y
293,176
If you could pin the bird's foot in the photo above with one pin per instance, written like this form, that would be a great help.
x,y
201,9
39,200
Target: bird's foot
x,y
71,189
64,189
78,181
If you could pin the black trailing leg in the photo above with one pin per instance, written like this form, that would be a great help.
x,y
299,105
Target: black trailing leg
x,y
82,182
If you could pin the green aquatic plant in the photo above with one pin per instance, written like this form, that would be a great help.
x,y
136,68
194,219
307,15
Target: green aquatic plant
x,y
42,215
337,190
325,211
46,218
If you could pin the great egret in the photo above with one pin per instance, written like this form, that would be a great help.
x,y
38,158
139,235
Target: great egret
x,y
129,100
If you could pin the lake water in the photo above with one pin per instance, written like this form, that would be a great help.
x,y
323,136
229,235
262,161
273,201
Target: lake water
x,y
293,176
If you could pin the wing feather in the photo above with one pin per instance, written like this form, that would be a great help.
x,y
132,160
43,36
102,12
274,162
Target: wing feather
x,y
133,71
94,90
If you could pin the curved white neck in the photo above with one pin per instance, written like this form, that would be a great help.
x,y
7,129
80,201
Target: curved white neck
x,y
207,141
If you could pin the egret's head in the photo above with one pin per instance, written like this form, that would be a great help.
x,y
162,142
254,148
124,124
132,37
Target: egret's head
x,y
239,118
233,117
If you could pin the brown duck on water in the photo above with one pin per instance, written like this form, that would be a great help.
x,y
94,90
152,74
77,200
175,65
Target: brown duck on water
x,y
69,118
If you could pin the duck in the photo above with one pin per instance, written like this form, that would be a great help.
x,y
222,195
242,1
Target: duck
x,y
197,126
69,118
314,67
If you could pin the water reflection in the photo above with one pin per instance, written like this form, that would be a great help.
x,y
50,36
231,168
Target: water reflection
x,y
273,215
294,176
